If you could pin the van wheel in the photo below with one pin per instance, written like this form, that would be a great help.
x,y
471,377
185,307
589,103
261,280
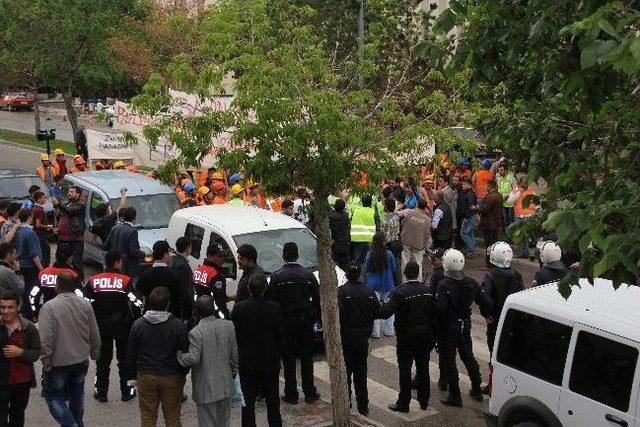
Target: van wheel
x,y
524,418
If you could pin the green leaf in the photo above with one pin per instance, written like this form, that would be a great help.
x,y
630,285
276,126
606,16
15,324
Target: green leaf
x,y
608,261
589,55
445,22
607,27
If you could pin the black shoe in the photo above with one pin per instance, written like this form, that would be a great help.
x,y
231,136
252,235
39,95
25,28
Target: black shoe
x,y
476,394
128,396
397,408
424,406
452,401
290,400
100,397
442,384
363,411
312,397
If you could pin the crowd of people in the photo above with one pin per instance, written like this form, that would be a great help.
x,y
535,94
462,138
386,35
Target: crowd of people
x,y
170,318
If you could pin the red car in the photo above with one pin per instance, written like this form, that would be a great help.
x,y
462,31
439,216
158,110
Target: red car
x,y
17,101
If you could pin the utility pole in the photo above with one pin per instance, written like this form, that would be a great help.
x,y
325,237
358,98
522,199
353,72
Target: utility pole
x,y
361,40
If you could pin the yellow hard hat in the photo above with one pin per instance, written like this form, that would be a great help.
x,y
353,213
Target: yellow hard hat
x,y
203,190
118,165
249,184
44,157
58,151
217,176
236,189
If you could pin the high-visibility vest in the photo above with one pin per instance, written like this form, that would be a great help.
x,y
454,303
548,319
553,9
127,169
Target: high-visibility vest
x,y
482,179
363,225
236,202
521,211
505,187
353,203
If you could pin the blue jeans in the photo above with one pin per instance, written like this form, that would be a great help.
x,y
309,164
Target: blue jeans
x,y
467,233
508,217
66,383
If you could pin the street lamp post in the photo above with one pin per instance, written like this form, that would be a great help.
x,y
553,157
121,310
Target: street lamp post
x,y
48,136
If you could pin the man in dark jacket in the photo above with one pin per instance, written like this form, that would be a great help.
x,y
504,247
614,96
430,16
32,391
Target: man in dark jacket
x,y
20,343
455,295
441,223
260,335
160,275
80,139
154,341
45,288
358,307
248,263
208,279
297,291
491,216
106,221
466,216
71,225
340,225
180,265
115,306
124,239
434,283
414,307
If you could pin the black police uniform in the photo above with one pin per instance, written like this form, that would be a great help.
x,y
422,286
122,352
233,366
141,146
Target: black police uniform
x,y
209,279
550,273
116,307
454,300
414,306
358,308
436,277
297,291
497,285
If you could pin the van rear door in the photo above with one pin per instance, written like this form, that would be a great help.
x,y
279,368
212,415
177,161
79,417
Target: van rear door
x,y
600,386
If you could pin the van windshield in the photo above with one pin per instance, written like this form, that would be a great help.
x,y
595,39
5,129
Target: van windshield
x,y
269,246
153,211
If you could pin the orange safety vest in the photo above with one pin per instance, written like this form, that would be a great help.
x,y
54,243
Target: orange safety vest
x,y
521,211
54,171
262,202
181,196
482,179
219,200
276,205
202,177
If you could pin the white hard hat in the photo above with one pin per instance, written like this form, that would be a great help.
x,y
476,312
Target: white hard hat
x,y
453,264
550,252
500,254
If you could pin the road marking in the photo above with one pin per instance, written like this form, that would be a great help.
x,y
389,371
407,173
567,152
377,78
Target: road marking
x,y
380,396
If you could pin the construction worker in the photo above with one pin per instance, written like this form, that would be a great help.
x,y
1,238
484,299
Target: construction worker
x,y
132,168
61,162
220,191
190,195
200,199
119,165
236,195
480,181
103,164
80,164
253,197
116,307
363,227
47,171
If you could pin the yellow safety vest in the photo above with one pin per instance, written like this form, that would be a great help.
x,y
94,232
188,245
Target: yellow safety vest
x,y
363,225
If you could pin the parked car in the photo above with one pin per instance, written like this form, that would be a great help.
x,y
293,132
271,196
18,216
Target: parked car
x,y
153,201
570,363
17,101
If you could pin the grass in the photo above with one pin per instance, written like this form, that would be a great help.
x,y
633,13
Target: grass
x,y
31,141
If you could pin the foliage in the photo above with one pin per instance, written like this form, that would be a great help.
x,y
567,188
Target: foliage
x,y
555,85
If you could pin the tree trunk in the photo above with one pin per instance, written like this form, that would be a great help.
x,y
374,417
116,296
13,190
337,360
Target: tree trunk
x,y
72,115
36,111
330,314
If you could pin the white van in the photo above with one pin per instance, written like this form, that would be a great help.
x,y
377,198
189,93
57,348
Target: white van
x,y
233,226
571,363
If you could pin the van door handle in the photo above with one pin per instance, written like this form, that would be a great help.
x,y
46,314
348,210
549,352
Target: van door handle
x,y
616,420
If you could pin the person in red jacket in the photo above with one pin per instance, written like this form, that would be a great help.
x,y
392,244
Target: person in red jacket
x,y
116,306
209,279
44,290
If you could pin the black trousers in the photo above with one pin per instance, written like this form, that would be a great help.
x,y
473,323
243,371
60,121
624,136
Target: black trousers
x,y
442,243
412,349
491,334
110,332
356,351
298,345
457,338
266,384
14,399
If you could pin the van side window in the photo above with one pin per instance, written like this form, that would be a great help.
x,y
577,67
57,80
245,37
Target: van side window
x,y
195,234
229,265
534,345
603,370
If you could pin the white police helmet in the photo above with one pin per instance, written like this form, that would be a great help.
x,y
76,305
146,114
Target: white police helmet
x,y
550,252
453,264
500,254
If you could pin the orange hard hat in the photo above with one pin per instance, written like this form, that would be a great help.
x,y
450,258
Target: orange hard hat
x,y
79,160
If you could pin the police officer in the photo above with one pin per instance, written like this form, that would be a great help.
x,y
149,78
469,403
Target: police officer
x,y
552,268
358,308
116,307
209,279
436,277
500,281
414,306
297,291
455,295
48,277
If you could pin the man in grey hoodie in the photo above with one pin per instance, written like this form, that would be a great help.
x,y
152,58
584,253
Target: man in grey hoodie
x,y
154,341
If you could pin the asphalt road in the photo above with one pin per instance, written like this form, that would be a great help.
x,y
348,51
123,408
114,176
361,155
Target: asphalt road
x,y
383,374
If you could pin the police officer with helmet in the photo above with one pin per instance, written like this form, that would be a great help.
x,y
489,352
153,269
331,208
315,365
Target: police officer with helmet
x,y
358,307
552,269
500,281
455,295
116,307
209,279
414,306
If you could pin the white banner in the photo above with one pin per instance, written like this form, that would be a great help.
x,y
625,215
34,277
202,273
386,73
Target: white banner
x,y
107,146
